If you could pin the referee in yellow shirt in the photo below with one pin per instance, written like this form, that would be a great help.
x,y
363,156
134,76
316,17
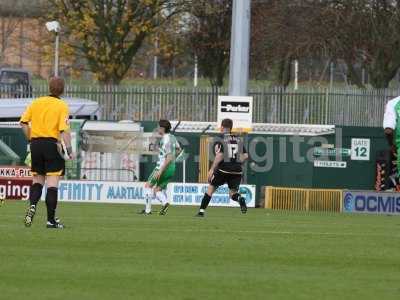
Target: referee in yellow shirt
x,y
45,124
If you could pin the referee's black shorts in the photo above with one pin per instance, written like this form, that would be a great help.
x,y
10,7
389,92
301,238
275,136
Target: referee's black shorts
x,y
232,179
46,158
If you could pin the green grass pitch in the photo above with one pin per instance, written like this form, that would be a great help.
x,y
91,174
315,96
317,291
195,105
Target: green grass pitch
x,y
110,252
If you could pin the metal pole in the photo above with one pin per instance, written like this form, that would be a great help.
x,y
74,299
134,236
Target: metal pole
x,y
184,170
196,72
56,55
296,75
240,48
363,76
331,74
155,63
184,179
155,70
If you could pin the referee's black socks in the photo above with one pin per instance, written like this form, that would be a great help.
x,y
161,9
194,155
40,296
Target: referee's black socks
x,y
51,203
35,193
204,202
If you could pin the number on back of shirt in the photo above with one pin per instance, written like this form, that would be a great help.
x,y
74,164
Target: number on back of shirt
x,y
233,150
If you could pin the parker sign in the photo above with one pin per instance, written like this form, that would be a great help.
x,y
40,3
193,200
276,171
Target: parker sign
x,y
239,109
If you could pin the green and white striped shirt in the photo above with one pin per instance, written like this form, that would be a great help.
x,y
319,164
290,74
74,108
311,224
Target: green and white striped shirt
x,y
168,146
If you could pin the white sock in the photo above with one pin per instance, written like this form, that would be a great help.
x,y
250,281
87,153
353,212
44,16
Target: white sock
x,y
162,197
149,195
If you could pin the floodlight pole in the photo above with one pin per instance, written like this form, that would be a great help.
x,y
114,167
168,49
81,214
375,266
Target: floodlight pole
x,y
240,53
55,26
56,55
240,48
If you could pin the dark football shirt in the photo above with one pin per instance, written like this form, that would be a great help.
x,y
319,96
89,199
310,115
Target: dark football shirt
x,y
231,146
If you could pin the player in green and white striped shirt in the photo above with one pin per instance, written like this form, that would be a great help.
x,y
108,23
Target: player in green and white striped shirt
x,y
164,170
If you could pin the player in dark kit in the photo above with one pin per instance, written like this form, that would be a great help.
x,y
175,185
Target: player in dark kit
x,y
227,167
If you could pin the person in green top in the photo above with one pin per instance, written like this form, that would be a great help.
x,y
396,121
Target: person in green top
x,y
164,171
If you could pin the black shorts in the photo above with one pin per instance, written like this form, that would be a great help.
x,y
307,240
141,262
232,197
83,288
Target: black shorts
x,y
220,178
46,158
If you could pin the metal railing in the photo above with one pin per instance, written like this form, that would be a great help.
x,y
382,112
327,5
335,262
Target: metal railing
x,y
103,174
349,107
323,200
15,91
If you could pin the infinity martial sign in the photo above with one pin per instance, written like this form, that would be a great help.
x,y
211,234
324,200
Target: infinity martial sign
x,y
133,192
100,191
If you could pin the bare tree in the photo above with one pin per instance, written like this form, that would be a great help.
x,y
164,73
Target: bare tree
x,y
363,33
284,30
209,37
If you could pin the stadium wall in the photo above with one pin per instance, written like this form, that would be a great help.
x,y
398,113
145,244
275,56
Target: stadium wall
x,y
358,175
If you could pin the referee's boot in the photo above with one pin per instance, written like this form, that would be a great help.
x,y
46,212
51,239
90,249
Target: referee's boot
x,y
243,206
30,214
56,224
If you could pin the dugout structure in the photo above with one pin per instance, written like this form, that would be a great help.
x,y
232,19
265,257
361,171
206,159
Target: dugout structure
x,y
112,150
108,151
13,144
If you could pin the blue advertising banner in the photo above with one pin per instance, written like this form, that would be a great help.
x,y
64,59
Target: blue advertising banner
x,y
192,193
371,202
101,191
134,193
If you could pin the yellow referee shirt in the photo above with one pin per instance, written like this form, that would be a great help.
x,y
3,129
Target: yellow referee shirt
x,y
47,117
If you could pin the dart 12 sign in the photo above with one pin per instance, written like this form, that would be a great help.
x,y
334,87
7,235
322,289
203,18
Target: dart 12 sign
x,y
239,109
